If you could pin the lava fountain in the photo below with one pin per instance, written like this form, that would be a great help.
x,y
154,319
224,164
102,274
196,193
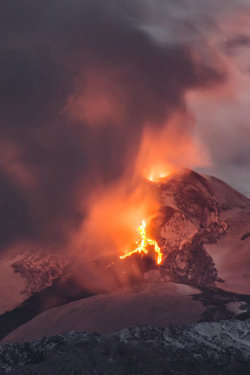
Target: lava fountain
x,y
143,244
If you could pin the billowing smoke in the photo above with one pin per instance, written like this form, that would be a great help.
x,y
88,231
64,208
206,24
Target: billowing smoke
x,y
89,90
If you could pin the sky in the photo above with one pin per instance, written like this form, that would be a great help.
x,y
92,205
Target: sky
x,y
82,83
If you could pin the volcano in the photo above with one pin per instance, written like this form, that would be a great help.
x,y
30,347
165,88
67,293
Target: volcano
x,y
203,232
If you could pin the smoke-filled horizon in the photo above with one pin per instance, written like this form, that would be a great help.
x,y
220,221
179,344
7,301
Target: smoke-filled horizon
x,y
92,92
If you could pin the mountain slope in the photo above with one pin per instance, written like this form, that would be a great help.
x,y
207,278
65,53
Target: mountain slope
x,y
197,211
156,303
203,228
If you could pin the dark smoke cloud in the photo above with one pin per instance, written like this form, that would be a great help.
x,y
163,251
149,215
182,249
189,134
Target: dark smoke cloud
x,y
51,152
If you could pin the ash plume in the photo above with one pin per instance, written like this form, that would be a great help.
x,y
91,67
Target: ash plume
x,y
81,85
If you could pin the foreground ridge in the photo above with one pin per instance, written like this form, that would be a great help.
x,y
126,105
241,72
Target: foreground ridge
x,y
200,348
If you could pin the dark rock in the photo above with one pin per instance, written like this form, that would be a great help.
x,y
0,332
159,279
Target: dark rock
x,y
202,348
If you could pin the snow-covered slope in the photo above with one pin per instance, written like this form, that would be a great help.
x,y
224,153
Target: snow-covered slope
x,y
203,348
156,303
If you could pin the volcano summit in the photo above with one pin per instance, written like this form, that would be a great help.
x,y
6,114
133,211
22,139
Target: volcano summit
x,y
201,227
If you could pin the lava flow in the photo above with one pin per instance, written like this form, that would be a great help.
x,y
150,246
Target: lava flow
x,y
142,243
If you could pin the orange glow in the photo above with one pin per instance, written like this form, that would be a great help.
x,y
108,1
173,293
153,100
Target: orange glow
x,y
116,210
164,151
158,173
114,214
143,242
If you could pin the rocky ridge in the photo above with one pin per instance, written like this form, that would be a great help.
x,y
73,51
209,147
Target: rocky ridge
x,y
201,348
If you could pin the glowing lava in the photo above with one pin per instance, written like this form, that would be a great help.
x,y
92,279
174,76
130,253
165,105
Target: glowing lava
x,y
143,242
158,174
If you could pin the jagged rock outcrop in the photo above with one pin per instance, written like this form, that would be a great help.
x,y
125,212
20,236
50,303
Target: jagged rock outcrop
x,y
25,271
202,348
39,270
